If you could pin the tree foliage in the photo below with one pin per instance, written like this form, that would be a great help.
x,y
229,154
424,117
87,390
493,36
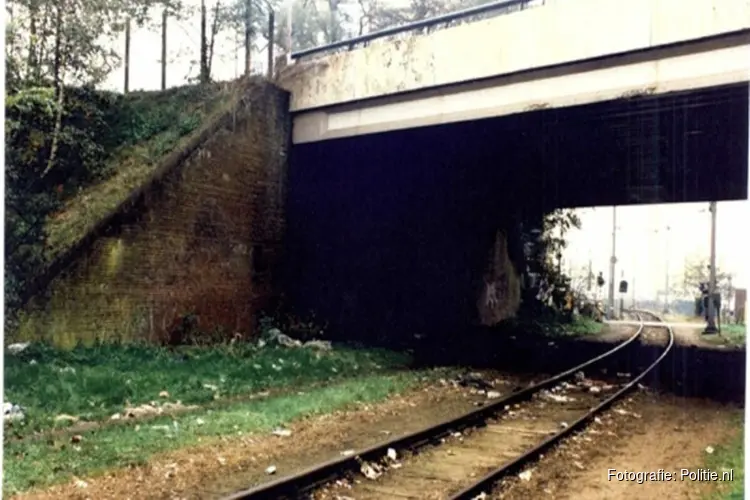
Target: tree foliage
x,y
52,148
697,271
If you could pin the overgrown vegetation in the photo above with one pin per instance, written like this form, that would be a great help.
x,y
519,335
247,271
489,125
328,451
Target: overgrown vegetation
x,y
731,335
70,162
40,463
92,383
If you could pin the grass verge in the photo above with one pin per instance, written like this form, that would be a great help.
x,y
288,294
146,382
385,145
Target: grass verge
x,y
92,383
36,464
584,326
731,335
730,456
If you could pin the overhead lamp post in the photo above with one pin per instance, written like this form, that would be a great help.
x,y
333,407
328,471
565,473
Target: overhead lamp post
x,y
612,262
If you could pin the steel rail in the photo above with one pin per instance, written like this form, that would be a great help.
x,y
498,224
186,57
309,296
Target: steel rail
x,y
293,485
485,483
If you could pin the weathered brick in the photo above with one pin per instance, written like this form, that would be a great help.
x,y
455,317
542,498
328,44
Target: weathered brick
x,y
188,248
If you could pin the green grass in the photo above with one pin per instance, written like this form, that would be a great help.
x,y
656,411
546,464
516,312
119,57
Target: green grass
x,y
584,326
95,382
727,456
731,335
39,463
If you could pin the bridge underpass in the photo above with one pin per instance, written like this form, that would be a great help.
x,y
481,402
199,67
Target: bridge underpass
x,y
391,233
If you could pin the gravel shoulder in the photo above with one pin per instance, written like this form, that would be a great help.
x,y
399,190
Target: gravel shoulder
x,y
645,433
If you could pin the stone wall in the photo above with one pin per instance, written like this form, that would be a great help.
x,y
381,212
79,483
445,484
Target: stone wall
x,y
206,241
500,296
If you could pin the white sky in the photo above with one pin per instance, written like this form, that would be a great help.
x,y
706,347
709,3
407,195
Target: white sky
x,y
645,250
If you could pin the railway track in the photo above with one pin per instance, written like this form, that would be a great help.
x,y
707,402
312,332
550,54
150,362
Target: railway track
x,y
464,457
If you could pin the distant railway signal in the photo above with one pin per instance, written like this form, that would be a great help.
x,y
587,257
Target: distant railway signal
x,y
600,280
623,286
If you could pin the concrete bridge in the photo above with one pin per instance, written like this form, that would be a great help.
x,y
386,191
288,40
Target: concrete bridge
x,y
535,55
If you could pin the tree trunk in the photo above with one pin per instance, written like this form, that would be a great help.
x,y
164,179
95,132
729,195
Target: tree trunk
x,y
214,31
204,45
31,63
58,46
127,57
164,49
248,35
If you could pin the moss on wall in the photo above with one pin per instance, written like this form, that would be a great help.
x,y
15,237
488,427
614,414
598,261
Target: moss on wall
x,y
186,249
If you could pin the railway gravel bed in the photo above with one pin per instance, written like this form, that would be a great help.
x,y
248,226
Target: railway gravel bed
x,y
465,456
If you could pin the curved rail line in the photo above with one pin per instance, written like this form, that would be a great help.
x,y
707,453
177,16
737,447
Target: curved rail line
x,y
516,464
295,485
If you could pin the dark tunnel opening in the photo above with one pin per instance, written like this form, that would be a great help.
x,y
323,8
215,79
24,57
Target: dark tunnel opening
x,y
387,230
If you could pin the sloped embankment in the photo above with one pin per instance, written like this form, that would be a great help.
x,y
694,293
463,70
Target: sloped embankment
x,y
187,224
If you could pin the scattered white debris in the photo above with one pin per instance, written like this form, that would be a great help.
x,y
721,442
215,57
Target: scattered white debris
x,y
347,453
594,389
66,369
282,338
392,454
12,412
271,470
66,418
32,362
17,348
578,465
555,397
81,483
199,421
221,460
282,432
210,387
116,416
493,394
481,496
597,420
564,425
710,450
370,471
525,475
620,411
321,345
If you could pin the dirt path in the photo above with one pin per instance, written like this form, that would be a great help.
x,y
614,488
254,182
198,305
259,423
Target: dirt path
x,y
644,434
236,462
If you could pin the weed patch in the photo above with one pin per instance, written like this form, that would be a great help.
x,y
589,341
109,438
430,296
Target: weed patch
x,y
41,463
92,383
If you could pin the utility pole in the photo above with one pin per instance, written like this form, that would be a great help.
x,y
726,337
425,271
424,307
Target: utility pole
x,y
711,326
666,272
589,277
612,262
